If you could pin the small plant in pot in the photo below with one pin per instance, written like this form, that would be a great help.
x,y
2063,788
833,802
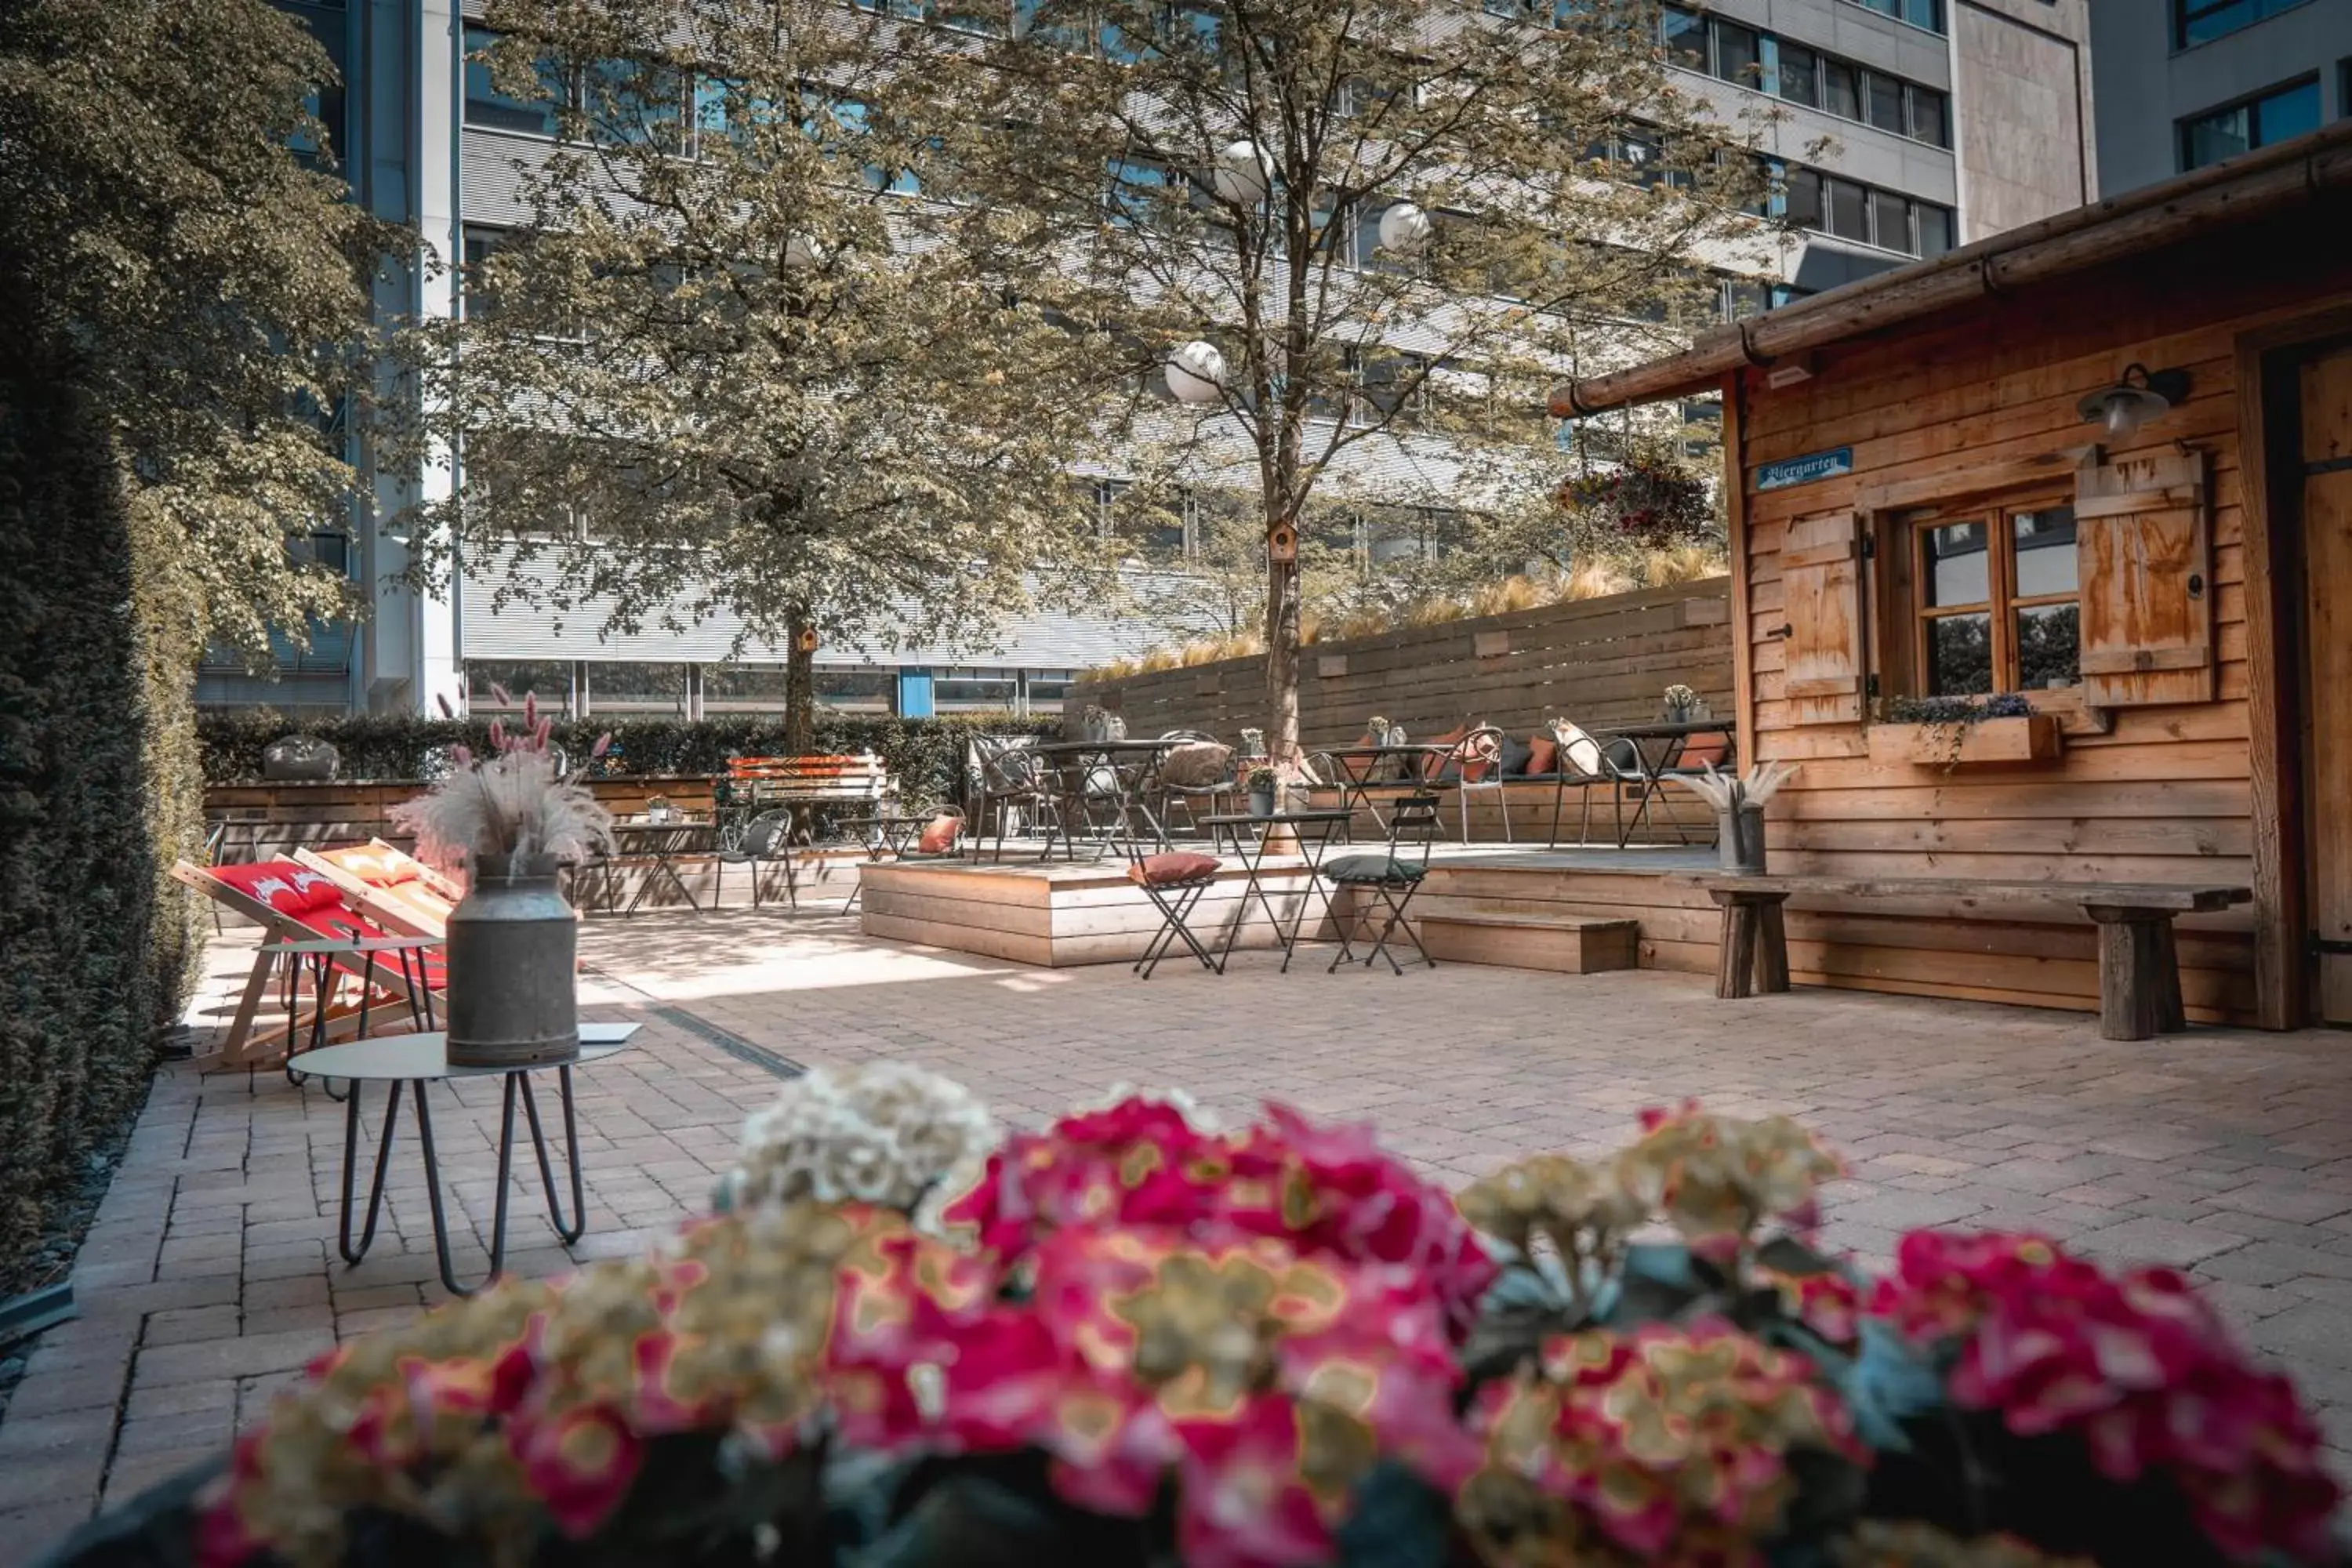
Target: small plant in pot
x,y
1262,782
511,819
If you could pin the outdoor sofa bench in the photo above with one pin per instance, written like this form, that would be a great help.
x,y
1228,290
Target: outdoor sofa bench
x,y
2139,968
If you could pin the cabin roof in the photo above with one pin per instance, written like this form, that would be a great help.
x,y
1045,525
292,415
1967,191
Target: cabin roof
x,y
2312,168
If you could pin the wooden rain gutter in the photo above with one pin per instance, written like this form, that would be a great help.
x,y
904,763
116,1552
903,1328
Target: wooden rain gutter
x,y
2237,191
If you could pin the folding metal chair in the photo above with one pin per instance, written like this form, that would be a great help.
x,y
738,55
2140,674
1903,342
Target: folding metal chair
x,y
1175,881
767,840
1392,876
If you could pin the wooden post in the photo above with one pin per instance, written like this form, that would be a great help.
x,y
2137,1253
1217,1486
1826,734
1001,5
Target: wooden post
x,y
2140,975
1754,953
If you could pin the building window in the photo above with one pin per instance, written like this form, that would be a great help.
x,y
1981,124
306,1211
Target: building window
x,y
1886,219
2197,22
549,682
631,688
968,689
1928,14
1798,73
1997,603
2274,116
487,107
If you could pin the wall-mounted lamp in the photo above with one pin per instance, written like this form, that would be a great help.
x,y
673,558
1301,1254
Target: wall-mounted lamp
x,y
2139,395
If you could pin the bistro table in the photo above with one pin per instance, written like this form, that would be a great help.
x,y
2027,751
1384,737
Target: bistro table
x,y
320,955
1314,830
1671,738
1089,772
885,836
418,1060
1356,765
655,846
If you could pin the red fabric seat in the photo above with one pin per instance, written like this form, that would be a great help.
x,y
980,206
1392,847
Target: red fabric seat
x,y
1169,869
311,900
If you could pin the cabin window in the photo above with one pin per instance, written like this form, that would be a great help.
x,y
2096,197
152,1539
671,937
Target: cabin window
x,y
1995,600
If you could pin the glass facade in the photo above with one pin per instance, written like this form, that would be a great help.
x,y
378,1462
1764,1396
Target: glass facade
x,y
1800,73
2197,22
2273,116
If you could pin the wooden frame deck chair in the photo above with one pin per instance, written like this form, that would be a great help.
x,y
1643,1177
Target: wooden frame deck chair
x,y
391,886
292,902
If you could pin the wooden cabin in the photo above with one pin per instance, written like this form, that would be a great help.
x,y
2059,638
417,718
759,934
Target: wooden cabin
x,y
1920,509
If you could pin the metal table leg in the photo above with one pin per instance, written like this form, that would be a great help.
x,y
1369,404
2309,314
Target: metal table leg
x,y
351,1253
578,1225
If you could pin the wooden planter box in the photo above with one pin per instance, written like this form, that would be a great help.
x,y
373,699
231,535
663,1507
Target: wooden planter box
x,y
2035,739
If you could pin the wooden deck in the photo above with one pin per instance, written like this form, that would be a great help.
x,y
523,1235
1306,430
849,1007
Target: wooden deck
x,y
1056,914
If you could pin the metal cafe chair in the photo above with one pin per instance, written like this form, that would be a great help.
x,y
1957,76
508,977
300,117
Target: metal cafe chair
x,y
1392,876
1218,795
1475,763
1175,881
766,840
1005,777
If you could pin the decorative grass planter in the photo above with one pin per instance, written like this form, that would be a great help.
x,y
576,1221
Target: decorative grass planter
x,y
2033,740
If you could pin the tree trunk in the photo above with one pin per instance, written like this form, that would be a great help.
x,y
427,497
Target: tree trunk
x,y
1282,663
800,684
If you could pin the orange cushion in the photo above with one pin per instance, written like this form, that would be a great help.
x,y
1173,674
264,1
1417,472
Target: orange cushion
x,y
1436,762
1178,865
939,835
1542,752
1714,746
373,867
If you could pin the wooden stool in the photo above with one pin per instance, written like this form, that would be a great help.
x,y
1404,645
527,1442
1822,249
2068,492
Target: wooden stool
x,y
2139,972
1754,953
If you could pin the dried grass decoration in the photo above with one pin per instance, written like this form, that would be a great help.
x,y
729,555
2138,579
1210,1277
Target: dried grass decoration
x,y
514,803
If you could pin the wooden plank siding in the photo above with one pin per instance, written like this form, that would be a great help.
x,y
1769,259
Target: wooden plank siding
x,y
2156,793
1597,661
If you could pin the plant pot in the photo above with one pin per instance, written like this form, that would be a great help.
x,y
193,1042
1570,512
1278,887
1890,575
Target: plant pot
x,y
513,954
1261,802
2024,742
1740,840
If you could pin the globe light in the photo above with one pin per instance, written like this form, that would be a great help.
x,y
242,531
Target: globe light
x,y
1196,374
1240,176
1405,228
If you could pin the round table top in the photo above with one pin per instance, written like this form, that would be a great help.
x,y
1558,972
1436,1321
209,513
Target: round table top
x,y
358,944
400,1059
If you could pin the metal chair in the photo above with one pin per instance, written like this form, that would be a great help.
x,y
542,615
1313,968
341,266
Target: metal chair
x,y
1479,753
766,840
1175,881
1220,796
1579,764
1392,876
1002,775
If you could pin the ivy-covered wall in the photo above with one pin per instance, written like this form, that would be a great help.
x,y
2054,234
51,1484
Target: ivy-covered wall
x,y
99,790
924,753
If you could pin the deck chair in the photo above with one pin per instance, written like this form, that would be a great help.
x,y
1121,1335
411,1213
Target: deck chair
x,y
1392,876
391,888
292,902
1175,882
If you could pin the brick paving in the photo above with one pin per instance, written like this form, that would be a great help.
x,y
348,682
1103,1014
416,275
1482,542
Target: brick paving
x,y
210,1275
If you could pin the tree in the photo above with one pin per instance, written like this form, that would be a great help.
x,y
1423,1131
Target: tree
x,y
727,367
1390,224
203,282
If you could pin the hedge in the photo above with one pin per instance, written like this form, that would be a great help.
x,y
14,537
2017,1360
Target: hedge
x,y
98,792
924,753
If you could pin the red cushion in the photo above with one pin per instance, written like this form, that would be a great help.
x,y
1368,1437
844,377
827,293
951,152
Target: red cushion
x,y
1543,754
1714,746
1178,866
939,835
1435,763
286,885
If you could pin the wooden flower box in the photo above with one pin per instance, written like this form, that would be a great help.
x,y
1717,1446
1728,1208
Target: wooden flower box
x,y
2030,741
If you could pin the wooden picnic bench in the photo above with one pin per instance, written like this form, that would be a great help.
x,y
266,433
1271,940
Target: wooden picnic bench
x,y
2139,968
804,780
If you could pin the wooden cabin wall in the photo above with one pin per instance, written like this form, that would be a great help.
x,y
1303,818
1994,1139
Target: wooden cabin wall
x,y
2165,795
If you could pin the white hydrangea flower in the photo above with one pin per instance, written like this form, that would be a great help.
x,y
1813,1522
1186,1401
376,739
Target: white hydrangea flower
x,y
884,1133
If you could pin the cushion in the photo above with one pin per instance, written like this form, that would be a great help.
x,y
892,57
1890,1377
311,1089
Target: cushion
x,y
1165,870
1197,765
374,866
1437,764
1543,755
1580,752
288,887
1714,746
1374,867
1515,756
939,835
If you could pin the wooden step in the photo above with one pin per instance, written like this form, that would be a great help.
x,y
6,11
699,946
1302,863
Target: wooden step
x,y
1566,944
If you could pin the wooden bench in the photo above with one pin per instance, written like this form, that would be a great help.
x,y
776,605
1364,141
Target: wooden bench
x,y
2139,969
1565,944
863,778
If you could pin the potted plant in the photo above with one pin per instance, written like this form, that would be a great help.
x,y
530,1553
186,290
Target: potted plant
x,y
1680,705
2001,730
511,819
1739,804
1262,782
1648,498
1135,1339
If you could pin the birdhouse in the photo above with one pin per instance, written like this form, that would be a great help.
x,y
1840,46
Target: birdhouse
x,y
1282,544
808,640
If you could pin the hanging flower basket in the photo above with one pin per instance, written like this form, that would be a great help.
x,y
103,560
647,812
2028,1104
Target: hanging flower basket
x,y
1649,499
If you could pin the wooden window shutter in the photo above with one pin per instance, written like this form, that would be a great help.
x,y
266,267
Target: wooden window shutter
x,y
1821,591
2144,550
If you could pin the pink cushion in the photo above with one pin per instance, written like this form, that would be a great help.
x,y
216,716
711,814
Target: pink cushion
x,y
939,835
286,885
1178,866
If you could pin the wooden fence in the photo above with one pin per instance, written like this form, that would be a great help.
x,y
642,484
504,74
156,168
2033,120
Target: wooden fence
x,y
1597,661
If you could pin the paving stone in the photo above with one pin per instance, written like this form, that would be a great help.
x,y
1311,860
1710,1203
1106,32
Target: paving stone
x,y
215,1359
2147,1240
